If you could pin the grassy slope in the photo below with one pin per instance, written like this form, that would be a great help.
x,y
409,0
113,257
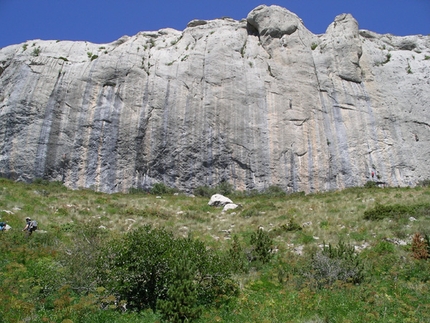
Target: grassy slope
x,y
396,287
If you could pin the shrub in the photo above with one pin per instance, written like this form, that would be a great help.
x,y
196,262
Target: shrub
x,y
262,246
223,188
370,184
420,246
79,258
274,191
289,227
204,191
134,190
143,267
41,181
332,264
387,59
236,256
384,248
92,56
160,189
36,52
397,211
182,295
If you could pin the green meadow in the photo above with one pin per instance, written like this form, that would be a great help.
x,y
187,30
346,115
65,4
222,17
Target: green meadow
x,y
356,255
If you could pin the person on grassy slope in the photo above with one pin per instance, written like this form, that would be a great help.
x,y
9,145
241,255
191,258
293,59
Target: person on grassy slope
x,y
31,225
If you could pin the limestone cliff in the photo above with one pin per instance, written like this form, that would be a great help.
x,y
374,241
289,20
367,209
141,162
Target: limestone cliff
x,y
257,102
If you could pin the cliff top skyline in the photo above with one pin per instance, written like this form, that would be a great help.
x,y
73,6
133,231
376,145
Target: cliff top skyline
x,y
103,22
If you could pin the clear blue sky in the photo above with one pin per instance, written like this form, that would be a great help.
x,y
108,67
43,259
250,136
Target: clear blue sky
x,y
103,21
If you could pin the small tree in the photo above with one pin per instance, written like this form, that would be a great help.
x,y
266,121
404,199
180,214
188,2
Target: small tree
x,y
236,256
149,266
262,246
180,305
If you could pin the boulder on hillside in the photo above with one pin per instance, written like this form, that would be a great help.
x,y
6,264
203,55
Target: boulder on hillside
x,y
230,206
219,200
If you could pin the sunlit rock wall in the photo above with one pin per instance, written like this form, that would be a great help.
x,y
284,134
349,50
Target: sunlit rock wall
x,y
257,102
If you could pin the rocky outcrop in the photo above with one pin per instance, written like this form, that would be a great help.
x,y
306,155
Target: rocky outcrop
x,y
256,102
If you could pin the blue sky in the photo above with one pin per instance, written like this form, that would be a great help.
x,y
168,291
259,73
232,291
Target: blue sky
x,y
103,21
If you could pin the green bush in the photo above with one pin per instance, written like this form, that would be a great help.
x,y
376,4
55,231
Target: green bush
x,y
237,257
133,190
383,248
41,181
339,263
143,268
370,184
160,189
274,191
397,211
36,51
204,191
180,304
262,246
223,188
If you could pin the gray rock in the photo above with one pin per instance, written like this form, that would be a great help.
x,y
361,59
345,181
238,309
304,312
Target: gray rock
x,y
256,102
273,21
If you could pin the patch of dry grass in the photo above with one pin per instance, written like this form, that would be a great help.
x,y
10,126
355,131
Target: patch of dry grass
x,y
324,217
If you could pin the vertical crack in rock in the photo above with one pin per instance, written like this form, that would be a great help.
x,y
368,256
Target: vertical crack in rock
x,y
342,145
80,145
46,153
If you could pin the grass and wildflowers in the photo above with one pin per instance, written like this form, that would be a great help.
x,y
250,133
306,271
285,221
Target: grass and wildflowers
x,y
357,255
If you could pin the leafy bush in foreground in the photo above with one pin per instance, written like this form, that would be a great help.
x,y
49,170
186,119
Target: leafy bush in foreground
x,y
149,268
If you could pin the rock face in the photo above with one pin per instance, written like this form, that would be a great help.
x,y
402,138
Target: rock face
x,y
257,102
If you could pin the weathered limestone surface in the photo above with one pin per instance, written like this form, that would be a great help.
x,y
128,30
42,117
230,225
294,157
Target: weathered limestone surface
x,y
256,102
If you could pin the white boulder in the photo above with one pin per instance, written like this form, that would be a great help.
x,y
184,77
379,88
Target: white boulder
x,y
219,200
